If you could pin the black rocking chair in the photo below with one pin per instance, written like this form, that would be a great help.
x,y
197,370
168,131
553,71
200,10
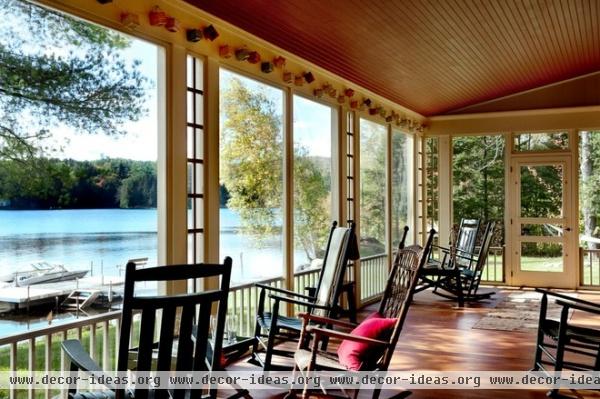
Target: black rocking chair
x,y
561,344
183,319
459,273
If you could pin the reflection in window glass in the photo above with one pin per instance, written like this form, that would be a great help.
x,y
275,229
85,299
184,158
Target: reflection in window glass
x,y
541,191
401,203
372,187
251,166
541,141
541,257
312,181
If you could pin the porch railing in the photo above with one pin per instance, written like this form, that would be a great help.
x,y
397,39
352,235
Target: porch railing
x,y
589,267
493,272
243,298
40,349
373,276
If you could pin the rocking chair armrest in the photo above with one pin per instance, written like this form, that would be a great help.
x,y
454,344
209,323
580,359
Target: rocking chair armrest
x,y
325,320
297,301
578,306
568,298
282,291
319,331
446,250
81,358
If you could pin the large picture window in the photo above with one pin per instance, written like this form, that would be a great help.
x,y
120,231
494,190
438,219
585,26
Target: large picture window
x,y
402,186
251,173
589,205
373,149
478,167
314,125
80,122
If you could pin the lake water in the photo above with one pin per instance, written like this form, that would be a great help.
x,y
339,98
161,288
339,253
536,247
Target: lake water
x,y
102,240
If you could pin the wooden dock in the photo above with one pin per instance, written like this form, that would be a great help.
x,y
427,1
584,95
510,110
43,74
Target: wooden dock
x,y
37,294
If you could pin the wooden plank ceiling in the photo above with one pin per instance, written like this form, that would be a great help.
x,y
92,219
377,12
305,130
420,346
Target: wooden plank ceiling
x,y
432,56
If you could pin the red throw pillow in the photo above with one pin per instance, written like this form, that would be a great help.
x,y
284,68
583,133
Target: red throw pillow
x,y
353,355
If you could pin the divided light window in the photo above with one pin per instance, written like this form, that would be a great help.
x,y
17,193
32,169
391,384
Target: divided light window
x,y
432,188
195,158
350,162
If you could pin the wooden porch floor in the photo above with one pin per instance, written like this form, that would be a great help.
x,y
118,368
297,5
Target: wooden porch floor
x,y
439,336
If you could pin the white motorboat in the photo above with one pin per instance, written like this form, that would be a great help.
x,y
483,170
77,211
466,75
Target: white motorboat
x,y
42,272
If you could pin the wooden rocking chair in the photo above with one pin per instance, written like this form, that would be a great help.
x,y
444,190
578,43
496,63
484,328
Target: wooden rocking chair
x,y
394,305
341,247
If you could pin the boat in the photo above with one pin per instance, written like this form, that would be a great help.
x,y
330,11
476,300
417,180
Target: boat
x,y
42,272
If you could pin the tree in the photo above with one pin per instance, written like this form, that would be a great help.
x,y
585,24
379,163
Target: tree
x,y
310,205
138,190
478,180
589,180
56,70
400,194
373,139
252,159
252,171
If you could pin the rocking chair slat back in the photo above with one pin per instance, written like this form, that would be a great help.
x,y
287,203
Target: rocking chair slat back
x,y
477,269
334,268
400,288
165,319
467,236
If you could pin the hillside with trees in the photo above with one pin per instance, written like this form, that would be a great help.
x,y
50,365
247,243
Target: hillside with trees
x,y
68,184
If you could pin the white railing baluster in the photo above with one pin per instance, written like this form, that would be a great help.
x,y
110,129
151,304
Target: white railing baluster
x,y
117,336
48,361
13,365
93,341
63,357
31,364
105,345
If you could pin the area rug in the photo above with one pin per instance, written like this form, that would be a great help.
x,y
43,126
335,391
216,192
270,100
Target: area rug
x,y
519,311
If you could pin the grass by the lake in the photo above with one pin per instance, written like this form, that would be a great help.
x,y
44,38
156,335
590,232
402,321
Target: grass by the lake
x,y
22,360
542,264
